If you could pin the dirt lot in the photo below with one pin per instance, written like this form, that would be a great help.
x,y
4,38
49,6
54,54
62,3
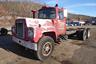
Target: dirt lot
x,y
68,52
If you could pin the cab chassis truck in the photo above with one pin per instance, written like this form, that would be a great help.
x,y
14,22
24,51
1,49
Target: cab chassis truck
x,y
40,34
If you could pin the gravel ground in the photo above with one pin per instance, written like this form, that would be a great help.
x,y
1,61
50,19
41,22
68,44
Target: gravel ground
x,y
68,52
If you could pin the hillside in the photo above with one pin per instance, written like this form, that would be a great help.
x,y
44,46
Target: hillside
x,y
10,10
78,16
18,8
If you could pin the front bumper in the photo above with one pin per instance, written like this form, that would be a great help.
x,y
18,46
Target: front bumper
x,y
27,44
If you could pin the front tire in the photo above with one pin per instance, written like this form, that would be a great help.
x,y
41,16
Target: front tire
x,y
45,48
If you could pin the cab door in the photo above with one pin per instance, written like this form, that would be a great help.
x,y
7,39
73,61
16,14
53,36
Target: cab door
x,y
61,23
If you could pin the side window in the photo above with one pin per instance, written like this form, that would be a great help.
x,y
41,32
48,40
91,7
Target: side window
x,y
61,15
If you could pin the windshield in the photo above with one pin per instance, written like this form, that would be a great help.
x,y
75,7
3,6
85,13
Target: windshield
x,y
47,13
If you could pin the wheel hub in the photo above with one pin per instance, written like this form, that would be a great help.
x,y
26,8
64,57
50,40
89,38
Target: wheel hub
x,y
47,48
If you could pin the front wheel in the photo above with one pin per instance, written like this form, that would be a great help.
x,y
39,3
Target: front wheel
x,y
45,47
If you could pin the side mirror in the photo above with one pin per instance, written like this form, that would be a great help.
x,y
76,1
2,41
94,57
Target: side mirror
x,y
33,12
65,13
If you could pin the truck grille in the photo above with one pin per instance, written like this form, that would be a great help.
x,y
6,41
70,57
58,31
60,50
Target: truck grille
x,y
20,28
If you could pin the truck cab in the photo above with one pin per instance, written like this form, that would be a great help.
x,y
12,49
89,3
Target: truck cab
x,y
40,34
56,15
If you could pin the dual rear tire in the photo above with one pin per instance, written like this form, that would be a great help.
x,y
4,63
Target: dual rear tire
x,y
83,34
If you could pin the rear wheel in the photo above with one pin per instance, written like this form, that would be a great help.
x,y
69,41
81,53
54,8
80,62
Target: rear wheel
x,y
88,33
45,47
83,34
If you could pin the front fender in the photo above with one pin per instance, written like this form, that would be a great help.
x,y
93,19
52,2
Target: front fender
x,y
37,34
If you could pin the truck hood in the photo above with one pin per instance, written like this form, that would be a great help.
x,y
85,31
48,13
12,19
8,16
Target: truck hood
x,y
31,22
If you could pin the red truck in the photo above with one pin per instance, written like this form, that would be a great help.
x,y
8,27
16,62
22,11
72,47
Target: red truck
x,y
40,34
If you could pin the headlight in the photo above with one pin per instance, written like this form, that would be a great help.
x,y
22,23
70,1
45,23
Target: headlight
x,y
30,32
